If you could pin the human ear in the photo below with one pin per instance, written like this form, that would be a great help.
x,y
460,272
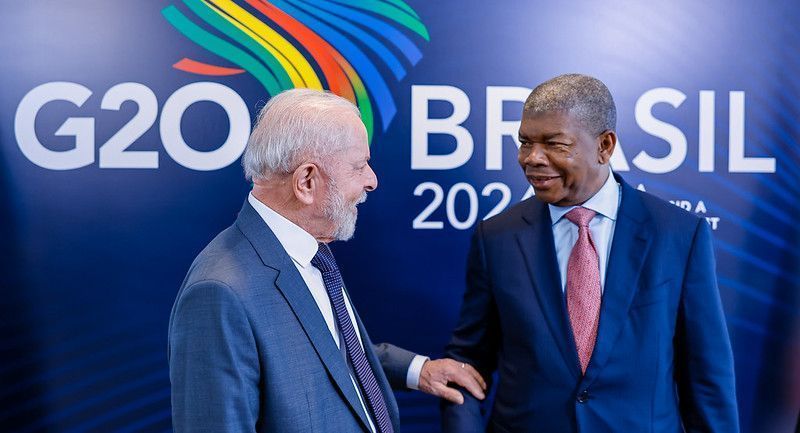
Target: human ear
x,y
607,141
305,182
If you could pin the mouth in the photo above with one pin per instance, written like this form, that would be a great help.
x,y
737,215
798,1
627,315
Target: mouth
x,y
542,182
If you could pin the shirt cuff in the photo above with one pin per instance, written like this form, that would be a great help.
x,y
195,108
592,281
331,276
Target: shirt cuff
x,y
414,370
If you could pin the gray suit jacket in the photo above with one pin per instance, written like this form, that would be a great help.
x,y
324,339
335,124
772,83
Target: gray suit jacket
x,y
250,351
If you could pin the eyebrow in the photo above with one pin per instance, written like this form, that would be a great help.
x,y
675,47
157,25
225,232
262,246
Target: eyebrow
x,y
545,137
360,161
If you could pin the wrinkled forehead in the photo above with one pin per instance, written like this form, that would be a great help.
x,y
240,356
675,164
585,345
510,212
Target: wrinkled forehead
x,y
356,132
580,117
549,123
354,142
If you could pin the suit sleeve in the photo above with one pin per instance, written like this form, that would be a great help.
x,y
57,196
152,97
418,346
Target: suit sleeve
x,y
704,359
475,339
213,362
395,362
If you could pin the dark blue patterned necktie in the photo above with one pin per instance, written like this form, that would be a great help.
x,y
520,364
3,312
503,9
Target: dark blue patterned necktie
x,y
334,285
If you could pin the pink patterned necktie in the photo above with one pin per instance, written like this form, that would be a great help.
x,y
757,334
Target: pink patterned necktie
x,y
583,286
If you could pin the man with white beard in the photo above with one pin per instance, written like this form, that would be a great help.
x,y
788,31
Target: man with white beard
x,y
263,336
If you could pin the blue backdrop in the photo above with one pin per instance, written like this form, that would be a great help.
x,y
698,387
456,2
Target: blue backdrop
x,y
121,124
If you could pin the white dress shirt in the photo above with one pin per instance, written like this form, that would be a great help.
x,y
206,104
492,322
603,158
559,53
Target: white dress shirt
x,y
302,247
606,203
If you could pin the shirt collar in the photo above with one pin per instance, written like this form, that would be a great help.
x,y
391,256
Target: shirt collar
x,y
605,202
298,243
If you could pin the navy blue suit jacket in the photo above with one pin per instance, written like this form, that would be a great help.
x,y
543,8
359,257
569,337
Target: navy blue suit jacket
x,y
662,362
249,350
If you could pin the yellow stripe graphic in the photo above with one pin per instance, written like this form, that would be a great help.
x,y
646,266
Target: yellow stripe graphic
x,y
297,67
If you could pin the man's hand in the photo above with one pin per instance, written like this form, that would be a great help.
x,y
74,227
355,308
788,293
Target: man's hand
x,y
437,374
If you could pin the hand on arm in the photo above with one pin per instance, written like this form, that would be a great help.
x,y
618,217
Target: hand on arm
x,y
475,339
437,376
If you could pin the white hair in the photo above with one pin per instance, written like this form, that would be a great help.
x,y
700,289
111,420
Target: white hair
x,y
296,124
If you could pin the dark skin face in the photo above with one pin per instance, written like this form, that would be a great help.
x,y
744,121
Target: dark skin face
x,y
565,163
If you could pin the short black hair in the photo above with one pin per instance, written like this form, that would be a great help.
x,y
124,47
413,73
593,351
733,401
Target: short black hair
x,y
585,97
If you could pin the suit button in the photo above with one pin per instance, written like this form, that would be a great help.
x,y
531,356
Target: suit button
x,y
583,397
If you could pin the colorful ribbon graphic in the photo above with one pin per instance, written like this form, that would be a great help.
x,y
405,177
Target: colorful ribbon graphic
x,y
324,44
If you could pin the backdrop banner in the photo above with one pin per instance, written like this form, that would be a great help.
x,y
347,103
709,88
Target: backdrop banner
x,y
122,125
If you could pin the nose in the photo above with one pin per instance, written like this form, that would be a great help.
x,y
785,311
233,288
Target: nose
x,y
372,180
535,156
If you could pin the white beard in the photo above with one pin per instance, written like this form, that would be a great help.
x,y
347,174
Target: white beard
x,y
341,214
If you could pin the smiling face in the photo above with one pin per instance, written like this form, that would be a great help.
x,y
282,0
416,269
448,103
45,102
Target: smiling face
x,y
349,177
565,163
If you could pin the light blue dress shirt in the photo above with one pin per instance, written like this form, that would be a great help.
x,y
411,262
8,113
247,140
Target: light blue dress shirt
x,y
606,203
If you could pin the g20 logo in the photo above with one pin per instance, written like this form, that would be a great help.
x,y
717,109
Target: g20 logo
x,y
114,152
280,44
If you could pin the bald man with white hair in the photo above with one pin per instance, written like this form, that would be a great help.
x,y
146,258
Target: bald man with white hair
x,y
263,336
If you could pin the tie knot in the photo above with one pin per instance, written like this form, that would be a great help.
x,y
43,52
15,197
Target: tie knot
x,y
323,259
580,216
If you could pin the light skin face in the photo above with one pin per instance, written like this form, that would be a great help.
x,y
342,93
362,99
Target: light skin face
x,y
300,196
349,169
565,163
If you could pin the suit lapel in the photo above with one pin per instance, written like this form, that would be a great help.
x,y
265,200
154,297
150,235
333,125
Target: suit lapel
x,y
294,289
629,250
538,249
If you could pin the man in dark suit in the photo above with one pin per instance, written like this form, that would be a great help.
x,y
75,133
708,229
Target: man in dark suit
x,y
263,336
596,304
